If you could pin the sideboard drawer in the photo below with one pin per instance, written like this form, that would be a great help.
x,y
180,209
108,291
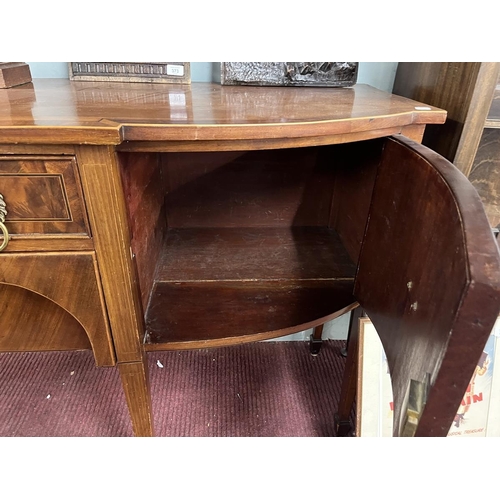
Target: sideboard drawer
x,y
43,196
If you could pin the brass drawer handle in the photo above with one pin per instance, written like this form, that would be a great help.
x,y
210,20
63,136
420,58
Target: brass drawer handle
x,y
3,228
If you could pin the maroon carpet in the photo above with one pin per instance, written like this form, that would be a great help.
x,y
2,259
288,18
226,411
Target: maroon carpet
x,y
259,389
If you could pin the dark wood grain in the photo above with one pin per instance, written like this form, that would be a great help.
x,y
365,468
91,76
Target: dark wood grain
x,y
356,168
246,281
429,278
243,339
264,188
244,253
237,309
144,190
218,200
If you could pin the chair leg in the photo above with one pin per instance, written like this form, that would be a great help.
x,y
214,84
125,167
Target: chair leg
x,y
349,381
315,341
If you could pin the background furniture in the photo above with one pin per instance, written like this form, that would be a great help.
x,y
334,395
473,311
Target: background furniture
x,y
146,218
470,138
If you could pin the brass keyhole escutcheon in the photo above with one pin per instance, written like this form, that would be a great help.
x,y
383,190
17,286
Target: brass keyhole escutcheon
x,y
3,228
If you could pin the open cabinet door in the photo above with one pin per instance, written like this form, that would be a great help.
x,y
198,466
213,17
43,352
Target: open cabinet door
x,y
429,279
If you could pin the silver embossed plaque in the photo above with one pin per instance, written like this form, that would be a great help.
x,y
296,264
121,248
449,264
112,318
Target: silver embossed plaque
x,y
316,74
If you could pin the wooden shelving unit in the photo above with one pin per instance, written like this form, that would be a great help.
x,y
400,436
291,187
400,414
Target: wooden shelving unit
x,y
470,138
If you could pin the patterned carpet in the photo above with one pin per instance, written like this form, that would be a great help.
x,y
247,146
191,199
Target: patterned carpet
x,y
259,389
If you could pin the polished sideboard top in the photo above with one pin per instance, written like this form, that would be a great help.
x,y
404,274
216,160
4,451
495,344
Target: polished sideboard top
x,y
61,111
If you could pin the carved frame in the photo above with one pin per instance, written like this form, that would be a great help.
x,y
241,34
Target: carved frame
x,y
299,74
148,72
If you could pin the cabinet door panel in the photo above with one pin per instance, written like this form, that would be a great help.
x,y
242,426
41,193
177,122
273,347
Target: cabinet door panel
x,y
429,279
38,324
62,293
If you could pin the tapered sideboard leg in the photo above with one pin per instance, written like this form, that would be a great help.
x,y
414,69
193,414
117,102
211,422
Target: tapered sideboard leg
x,y
135,381
349,381
315,341
353,323
107,210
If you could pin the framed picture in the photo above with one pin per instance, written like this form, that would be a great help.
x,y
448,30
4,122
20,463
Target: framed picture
x,y
147,72
477,416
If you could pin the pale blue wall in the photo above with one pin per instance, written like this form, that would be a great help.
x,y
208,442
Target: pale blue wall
x,y
379,74
49,69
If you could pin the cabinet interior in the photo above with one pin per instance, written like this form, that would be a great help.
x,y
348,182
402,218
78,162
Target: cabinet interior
x,y
234,244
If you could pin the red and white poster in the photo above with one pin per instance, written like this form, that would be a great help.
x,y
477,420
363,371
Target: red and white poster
x,y
477,416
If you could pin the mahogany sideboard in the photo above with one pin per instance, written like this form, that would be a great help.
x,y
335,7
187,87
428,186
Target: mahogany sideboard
x,y
140,217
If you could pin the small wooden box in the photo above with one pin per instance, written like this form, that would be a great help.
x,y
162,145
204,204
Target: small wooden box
x,y
13,74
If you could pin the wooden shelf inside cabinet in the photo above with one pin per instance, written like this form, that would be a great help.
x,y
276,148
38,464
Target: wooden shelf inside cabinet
x,y
244,281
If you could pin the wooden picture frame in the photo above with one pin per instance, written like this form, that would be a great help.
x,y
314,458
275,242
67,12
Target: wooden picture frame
x,y
477,416
147,72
